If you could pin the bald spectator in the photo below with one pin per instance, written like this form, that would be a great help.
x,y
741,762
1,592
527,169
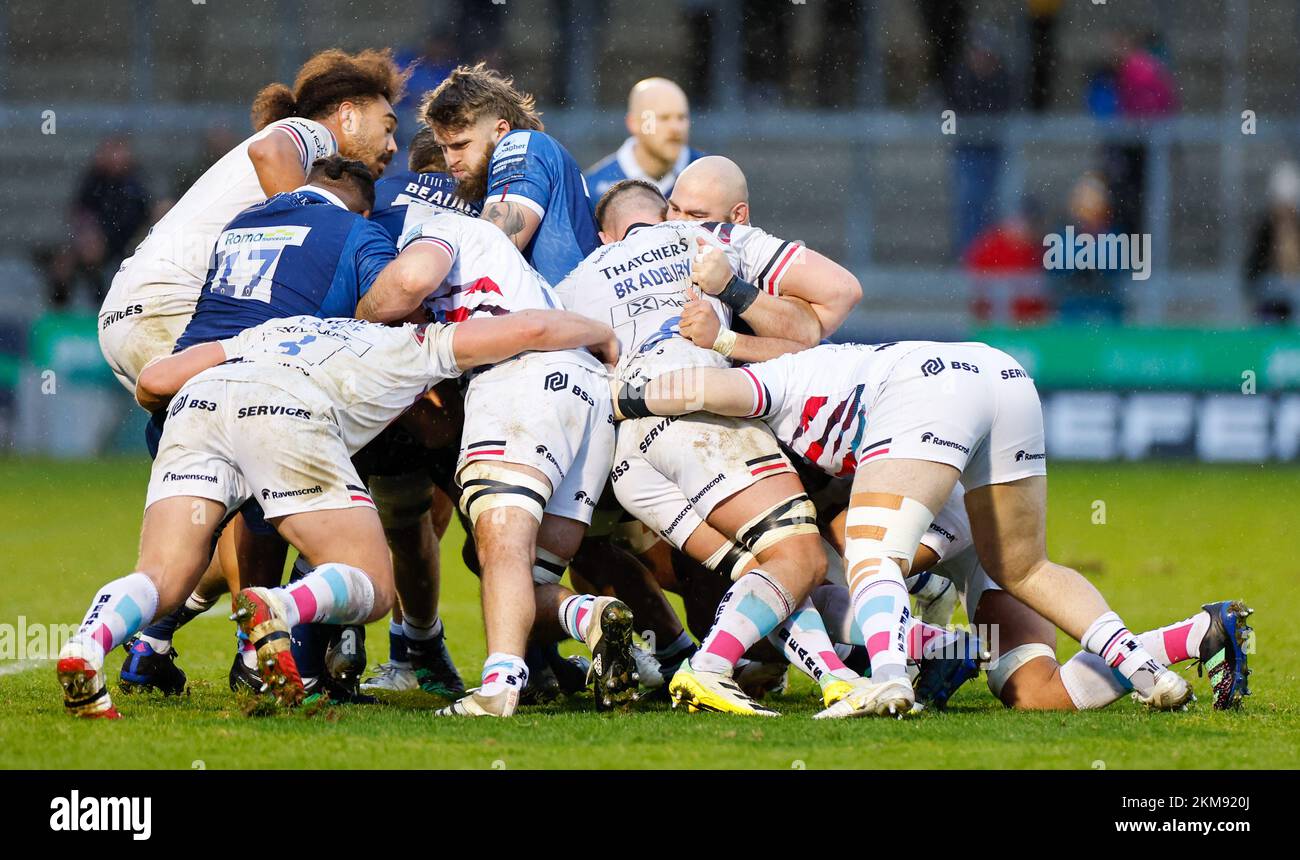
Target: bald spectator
x,y
659,120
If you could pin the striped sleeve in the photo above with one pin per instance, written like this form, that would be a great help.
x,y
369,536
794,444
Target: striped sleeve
x,y
763,258
435,231
310,138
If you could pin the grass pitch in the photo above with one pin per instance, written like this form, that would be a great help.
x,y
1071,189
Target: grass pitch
x,y
1173,537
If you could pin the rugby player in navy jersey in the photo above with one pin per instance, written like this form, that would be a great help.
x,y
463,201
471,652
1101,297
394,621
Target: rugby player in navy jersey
x,y
492,141
311,252
659,124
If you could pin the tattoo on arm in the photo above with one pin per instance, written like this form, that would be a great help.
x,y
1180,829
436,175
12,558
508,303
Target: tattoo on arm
x,y
508,217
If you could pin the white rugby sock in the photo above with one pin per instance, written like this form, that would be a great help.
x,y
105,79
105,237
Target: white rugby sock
x,y
1091,683
802,639
333,593
1121,650
576,617
503,672
118,611
751,609
417,631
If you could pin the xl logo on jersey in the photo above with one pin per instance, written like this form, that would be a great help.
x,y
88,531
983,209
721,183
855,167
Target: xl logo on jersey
x,y
556,381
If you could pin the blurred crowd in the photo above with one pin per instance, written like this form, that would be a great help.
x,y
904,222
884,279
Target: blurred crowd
x,y
968,69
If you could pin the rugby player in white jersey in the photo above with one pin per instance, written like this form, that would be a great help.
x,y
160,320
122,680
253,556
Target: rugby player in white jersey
x,y
535,455
276,413
938,413
676,475
715,189
339,103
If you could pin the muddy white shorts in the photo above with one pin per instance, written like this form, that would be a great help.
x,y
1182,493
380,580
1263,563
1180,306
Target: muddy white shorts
x,y
138,322
670,473
550,411
229,440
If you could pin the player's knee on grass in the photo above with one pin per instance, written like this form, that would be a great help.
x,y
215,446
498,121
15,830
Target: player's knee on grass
x,y
1034,684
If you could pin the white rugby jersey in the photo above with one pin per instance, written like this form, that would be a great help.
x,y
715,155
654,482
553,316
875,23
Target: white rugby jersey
x,y
174,257
817,401
367,374
638,286
488,276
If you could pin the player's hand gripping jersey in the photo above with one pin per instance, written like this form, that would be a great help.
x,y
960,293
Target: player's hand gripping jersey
x,y
281,419
402,199
638,286
532,169
299,253
162,279
671,473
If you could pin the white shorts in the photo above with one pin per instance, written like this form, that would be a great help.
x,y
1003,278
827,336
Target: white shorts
x,y
550,411
968,405
228,440
140,322
670,473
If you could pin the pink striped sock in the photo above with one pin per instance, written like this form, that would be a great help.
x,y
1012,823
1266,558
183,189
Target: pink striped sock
x,y
1177,642
575,615
751,609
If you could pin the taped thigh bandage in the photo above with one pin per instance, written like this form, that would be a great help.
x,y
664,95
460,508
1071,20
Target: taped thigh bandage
x,y
402,499
548,568
489,485
882,526
1009,662
730,560
795,516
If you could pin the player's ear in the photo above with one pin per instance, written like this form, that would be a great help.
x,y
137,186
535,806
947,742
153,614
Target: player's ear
x,y
605,238
740,214
500,130
633,123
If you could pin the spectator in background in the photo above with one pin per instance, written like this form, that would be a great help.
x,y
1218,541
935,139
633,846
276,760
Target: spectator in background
x,y
1043,16
659,122
980,87
945,20
110,208
1088,295
765,30
1275,249
840,60
1005,263
1144,90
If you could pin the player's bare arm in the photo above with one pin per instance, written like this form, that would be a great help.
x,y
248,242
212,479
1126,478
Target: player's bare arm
x,y
488,341
700,324
405,283
277,163
722,391
781,324
515,220
164,376
831,290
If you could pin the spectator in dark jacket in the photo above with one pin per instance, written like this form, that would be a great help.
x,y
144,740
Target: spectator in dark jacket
x,y
111,207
